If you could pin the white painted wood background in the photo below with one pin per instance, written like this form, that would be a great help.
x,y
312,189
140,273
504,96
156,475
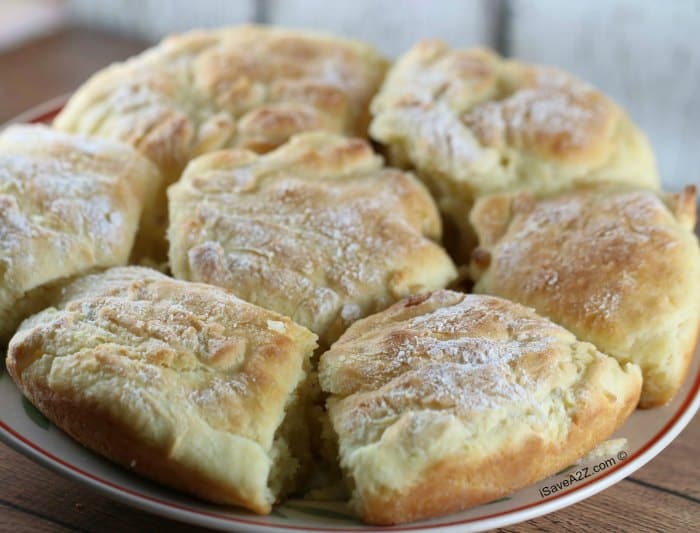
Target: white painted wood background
x,y
644,53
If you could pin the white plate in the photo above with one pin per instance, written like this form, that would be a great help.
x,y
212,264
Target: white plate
x,y
647,433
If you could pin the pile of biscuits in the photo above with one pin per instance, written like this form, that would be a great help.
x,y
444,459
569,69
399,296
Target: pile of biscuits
x,y
294,303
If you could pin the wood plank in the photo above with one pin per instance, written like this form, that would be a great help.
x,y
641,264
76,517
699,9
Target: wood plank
x,y
56,64
30,492
642,54
152,19
18,520
623,507
391,26
40,491
677,468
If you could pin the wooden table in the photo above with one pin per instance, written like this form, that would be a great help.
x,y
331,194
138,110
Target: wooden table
x,y
662,496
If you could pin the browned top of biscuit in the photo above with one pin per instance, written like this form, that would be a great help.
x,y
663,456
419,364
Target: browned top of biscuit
x,y
67,204
618,267
469,112
317,229
474,393
190,372
247,86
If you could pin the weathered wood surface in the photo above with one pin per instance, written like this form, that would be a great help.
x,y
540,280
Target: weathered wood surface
x,y
662,496
391,26
55,65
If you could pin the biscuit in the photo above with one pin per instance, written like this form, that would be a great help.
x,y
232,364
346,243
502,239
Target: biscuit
x,y
68,204
472,123
180,382
449,400
317,230
249,86
618,267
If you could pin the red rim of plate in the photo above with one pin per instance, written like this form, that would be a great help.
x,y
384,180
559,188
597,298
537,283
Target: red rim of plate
x,y
671,429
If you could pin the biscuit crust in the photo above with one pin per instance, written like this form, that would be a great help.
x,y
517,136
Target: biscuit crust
x,y
317,230
449,400
180,382
472,123
68,204
618,267
249,86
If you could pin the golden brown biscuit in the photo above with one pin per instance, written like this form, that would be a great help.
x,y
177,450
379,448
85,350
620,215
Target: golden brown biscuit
x,y
181,382
472,123
449,400
619,268
317,230
67,204
249,86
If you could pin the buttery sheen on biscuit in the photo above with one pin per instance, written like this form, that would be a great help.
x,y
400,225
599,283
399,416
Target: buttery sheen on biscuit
x,y
318,230
67,204
249,86
472,123
181,382
449,400
618,267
